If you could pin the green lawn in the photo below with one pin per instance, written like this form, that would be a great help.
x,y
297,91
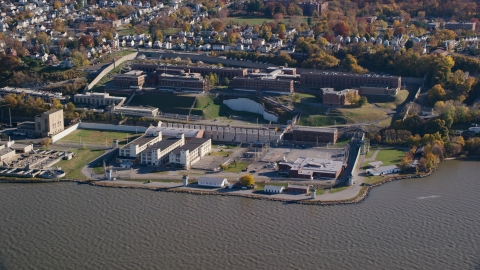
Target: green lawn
x,y
74,166
360,115
321,120
88,136
260,186
370,152
320,191
390,156
338,189
250,20
241,165
166,102
400,98
373,179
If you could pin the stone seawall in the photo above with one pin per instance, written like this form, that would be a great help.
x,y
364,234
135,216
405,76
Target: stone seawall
x,y
362,195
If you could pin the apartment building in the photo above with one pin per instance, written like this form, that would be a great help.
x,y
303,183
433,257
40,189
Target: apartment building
x,y
460,26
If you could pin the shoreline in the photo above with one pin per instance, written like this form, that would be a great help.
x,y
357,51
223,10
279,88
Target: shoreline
x,y
360,197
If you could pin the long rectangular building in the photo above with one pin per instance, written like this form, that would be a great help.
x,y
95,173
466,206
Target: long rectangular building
x,y
222,72
312,135
185,82
341,80
98,99
263,84
44,95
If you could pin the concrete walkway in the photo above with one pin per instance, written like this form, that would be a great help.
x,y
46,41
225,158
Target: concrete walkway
x,y
374,156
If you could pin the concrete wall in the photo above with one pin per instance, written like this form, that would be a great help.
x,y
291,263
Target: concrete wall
x,y
64,133
248,105
110,67
138,129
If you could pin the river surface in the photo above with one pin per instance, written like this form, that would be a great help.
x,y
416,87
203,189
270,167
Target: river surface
x,y
430,223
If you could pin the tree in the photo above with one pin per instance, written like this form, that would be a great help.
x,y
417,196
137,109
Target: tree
x,y
352,97
46,142
363,101
70,107
86,40
247,180
57,5
341,29
436,93
225,81
218,25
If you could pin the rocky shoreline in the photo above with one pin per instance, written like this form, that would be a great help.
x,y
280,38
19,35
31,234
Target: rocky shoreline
x,y
362,195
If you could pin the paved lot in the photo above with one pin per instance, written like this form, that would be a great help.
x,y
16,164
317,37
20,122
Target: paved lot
x,y
277,154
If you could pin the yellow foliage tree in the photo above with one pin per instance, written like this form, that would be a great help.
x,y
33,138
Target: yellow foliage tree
x,y
247,180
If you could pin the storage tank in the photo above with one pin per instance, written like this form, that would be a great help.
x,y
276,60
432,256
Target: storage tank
x,y
109,174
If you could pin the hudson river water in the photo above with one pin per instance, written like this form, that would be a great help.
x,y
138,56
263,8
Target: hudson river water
x,y
430,223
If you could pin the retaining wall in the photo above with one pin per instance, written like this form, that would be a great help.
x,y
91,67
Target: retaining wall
x,y
110,67
112,127
65,132
248,105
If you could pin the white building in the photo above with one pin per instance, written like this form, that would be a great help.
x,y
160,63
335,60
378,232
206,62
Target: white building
x,y
383,170
135,147
191,152
98,99
212,182
157,153
45,96
136,110
273,189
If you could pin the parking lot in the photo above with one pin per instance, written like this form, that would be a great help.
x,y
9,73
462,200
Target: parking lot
x,y
291,154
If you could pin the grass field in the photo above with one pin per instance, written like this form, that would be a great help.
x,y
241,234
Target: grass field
x,y
338,189
250,20
166,102
241,165
400,98
373,179
390,156
360,115
320,191
88,136
74,166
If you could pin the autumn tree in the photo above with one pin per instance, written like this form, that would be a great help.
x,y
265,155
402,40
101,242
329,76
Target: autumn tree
x,y
247,180
218,25
86,40
436,93
341,29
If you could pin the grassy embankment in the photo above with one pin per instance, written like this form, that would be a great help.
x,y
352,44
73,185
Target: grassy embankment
x,y
388,157
390,102
241,165
99,137
74,166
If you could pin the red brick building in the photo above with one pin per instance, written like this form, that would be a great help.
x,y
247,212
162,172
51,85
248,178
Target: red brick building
x,y
340,80
264,84
132,79
331,97
185,82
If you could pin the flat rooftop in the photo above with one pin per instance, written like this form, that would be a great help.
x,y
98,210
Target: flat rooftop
x,y
164,143
171,131
302,128
190,145
142,140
